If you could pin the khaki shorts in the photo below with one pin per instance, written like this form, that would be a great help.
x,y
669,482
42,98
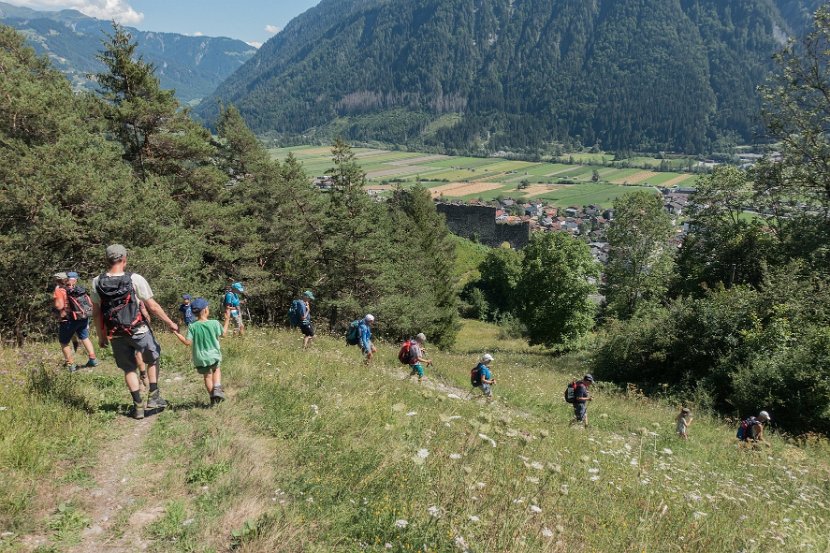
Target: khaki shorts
x,y
207,370
124,349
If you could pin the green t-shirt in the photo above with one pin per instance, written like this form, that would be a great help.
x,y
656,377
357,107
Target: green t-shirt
x,y
205,337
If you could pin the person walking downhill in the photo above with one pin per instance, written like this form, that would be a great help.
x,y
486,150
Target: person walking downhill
x,y
232,302
365,338
306,325
751,430
414,355
581,399
73,306
481,377
186,310
120,323
684,420
203,335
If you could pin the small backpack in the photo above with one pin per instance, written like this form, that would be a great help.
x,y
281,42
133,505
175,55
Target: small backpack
x,y
405,353
295,314
119,304
745,429
570,392
79,305
475,376
353,335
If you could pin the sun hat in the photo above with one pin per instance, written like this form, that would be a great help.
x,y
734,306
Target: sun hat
x,y
486,358
199,304
369,318
60,276
186,297
588,378
685,410
237,286
421,337
72,274
763,415
116,252
309,295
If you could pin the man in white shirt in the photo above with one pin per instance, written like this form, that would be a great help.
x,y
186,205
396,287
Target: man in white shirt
x,y
115,299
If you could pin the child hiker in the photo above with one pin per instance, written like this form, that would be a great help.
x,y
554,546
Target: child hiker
x,y
203,335
684,419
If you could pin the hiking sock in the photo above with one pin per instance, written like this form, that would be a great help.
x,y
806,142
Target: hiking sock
x,y
154,386
136,396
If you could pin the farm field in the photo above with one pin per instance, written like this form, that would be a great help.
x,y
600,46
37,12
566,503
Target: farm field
x,y
470,178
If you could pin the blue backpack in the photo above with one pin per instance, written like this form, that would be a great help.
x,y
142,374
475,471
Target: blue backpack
x,y
295,314
745,429
353,336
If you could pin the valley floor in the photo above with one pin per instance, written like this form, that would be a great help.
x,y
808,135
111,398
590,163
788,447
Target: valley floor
x,y
316,452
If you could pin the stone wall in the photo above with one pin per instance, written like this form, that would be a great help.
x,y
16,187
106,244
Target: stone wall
x,y
478,222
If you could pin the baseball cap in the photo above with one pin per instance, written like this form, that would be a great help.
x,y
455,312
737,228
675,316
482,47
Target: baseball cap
x,y
369,318
116,252
199,304
60,276
421,337
764,416
237,286
588,378
186,297
308,295
71,274
486,358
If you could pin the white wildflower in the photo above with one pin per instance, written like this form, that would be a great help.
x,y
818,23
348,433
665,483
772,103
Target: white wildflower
x,y
387,545
411,413
481,485
532,480
401,523
455,456
698,515
593,471
535,509
461,544
474,518
487,438
423,453
563,489
434,511
667,451
594,478
546,532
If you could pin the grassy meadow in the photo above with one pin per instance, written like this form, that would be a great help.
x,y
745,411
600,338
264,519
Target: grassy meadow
x,y
558,183
317,452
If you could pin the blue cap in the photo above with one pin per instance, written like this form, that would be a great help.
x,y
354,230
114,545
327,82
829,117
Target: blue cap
x,y
199,304
186,297
71,275
237,286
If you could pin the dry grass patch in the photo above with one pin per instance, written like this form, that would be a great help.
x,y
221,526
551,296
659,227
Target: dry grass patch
x,y
458,189
636,178
677,180
538,190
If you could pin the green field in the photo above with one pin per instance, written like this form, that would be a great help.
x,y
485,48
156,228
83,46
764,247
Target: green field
x,y
559,184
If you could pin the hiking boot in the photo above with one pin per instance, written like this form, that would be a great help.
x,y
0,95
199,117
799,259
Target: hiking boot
x,y
71,367
137,411
91,363
155,401
218,395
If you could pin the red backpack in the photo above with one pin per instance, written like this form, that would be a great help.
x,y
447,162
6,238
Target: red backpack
x,y
570,392
405,353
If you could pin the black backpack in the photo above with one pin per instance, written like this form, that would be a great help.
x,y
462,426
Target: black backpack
x,y
475,376
78,303
119,304
570,392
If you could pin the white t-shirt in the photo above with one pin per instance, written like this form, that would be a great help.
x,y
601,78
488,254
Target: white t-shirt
x,y
140,284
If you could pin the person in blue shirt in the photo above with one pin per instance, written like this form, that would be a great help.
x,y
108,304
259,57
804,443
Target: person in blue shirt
x,y
186,310
232,302
365,333
485,376
306,326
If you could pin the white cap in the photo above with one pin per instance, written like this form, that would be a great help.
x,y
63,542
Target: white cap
x,y
486,358
369,318
764,416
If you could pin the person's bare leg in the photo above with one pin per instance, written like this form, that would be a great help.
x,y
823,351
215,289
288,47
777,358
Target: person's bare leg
x,y
217,377
90,351
68,353
209,383
152,373
131,378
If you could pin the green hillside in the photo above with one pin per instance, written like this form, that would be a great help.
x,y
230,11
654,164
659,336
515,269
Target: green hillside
x,y
515,75
315,452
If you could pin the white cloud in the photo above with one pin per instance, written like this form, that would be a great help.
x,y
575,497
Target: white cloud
x,y
272,29
255,43
119,10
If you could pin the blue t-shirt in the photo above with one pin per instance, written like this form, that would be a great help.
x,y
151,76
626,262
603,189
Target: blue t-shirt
x,y
232,299
581,390
484,372
365,336
187,313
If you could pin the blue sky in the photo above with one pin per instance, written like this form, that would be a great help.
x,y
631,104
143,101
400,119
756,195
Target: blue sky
x,y
253,21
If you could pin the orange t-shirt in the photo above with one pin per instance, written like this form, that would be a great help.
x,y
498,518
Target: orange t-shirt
x,y
60,300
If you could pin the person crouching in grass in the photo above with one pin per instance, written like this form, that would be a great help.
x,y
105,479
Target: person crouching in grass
x,y
203,335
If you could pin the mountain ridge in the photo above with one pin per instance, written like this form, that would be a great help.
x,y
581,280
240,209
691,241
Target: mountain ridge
x,y
642,74
192,65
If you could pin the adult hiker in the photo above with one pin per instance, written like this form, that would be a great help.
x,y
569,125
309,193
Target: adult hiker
x,y
306,326
73,307
186,311
581,397
232,301
481,377
412,353
751,430
364,330
116,295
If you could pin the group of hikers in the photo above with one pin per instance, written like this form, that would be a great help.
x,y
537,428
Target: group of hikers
x,y
122,305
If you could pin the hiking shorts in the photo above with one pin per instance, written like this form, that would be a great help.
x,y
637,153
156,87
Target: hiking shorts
x,y
236,317
417,369
486,389
207,370
124,349
307,329
580,410
70,328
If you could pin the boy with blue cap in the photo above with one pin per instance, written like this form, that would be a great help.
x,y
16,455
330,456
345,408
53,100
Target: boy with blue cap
x,y
232,301
187,313
203,336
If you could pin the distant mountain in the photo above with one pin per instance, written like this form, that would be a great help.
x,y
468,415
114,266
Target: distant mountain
x,y
191,65
515,74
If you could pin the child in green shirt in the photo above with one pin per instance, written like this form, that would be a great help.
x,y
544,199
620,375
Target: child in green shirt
x,y
203,335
